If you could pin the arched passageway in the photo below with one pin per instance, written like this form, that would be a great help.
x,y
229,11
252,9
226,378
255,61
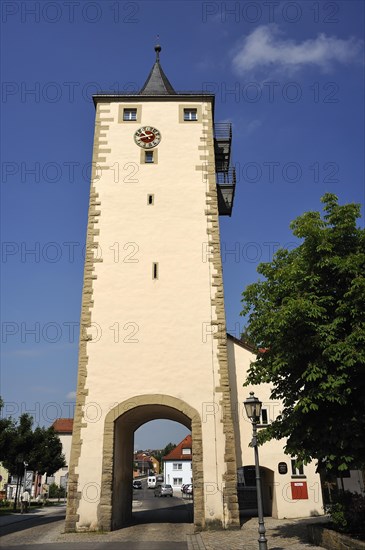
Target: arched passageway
x,y
115,508
247,494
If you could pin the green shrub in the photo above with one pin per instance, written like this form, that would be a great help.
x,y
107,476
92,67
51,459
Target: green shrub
x,y
348,513
56,492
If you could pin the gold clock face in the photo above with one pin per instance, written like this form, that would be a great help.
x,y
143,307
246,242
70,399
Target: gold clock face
x,y
147,137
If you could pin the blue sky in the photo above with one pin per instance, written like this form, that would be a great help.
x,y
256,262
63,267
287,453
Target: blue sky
x,y
290,77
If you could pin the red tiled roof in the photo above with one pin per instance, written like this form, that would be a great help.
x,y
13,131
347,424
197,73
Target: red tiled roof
x,y
177,454
63,425
141,457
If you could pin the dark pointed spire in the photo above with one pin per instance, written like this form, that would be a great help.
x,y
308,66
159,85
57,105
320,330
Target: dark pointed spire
x,y
157,82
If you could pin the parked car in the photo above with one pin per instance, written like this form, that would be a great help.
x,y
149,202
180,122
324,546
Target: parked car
x,y
137,484
159,479
163,491
187,489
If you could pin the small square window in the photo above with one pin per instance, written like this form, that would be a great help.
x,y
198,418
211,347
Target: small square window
x,y
190,114
148,157
130,114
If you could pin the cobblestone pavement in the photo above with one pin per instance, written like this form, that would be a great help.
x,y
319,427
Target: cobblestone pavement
x,y
280,533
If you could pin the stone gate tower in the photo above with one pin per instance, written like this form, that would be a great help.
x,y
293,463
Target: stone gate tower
x,y
153,338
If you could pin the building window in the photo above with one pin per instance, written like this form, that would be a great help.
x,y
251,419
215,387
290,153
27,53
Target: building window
x,y
130,114
154,271
177,481
264,417
150,199
148,157
177,466
186,451
190,114
296,470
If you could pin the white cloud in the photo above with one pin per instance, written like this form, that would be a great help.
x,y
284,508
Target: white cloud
x,y
253,126
71,395
265,48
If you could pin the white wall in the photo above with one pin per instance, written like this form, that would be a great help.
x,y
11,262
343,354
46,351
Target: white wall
x,y
271,453
186,473
141,325
66,450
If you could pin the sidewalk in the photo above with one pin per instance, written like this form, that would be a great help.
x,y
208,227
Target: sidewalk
x,y
280,533
16,517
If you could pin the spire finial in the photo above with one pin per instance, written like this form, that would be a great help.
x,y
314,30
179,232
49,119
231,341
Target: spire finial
x,y
158,49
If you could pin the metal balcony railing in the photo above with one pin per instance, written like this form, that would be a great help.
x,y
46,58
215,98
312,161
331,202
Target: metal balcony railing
x,y
226,185
226,177
222,145
223,131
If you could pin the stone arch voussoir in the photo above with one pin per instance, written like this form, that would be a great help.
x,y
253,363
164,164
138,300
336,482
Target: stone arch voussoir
x,y
126,409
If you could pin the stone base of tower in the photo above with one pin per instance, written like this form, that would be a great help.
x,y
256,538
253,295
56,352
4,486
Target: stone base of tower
x,y
100,482
75,523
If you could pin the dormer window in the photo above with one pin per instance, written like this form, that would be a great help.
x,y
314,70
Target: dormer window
x,y
186,451
190,114
130,114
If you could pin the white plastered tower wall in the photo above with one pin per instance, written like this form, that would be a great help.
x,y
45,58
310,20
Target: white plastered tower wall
x,y
137,324
272,452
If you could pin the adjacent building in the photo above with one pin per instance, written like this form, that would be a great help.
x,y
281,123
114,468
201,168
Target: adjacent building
x,y
143,465
63,428
288,491
178,465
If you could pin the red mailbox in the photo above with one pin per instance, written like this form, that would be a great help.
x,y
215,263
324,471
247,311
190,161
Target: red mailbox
x,y
299,490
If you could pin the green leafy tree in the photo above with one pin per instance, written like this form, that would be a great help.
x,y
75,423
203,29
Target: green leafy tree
x,y
307,321
163,452
7,435
40,449
46,455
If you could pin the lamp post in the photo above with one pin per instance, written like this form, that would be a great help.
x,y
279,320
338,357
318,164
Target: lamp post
x,y
25,476
253,409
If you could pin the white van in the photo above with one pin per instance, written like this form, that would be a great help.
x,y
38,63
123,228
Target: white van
x,y
151,482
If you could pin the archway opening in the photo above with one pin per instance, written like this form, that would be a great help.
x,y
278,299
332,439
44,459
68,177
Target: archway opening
x,y
157,486
247,492
116,504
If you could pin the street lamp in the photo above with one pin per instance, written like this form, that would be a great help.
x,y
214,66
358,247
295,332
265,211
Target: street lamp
x,y
253,409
